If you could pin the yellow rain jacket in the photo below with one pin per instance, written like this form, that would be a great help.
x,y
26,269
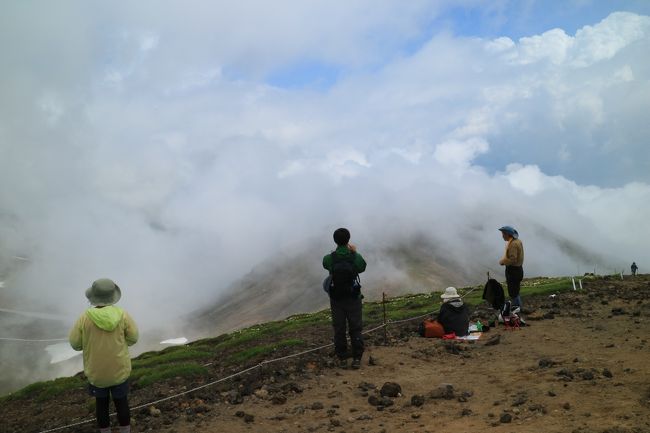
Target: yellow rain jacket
x,y
104,335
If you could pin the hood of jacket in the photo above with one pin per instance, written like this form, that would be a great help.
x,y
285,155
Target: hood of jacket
x,y
455,304
106,318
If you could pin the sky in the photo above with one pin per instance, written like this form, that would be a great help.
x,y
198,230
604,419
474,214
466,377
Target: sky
x,y
174,146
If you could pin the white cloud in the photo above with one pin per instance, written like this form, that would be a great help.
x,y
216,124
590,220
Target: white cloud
x,y
460,153
153,150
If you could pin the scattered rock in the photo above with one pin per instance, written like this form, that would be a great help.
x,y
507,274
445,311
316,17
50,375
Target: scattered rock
x,y
365,386
261,393
587,375
234,397
292,387
373,400
444,391
607,373
520,399
278,399
546,363
564,374
415,415
505,418
417,400
566,406
372,360
466,412
493,341
390,389
317,405
153,411
248,418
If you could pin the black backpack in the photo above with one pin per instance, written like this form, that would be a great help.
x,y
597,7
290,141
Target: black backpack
x,y
493,293
345,278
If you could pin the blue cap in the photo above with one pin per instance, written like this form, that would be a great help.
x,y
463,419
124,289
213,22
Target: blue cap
x,y
510,230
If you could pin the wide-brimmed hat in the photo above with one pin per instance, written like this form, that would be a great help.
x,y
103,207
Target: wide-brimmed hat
x,y
450,293
510,230
103,292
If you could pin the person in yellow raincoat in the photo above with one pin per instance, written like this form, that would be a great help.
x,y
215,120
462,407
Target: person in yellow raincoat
x,y
104,333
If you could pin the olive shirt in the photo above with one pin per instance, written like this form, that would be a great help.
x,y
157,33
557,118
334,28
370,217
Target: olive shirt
x,y
104,335
514,254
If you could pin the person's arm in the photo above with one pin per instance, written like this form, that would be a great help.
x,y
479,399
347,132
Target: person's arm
x,y
131,333
359,263
327,262
512,255
76,335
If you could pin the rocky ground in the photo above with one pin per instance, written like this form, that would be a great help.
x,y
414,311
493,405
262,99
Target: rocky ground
x,y
582,366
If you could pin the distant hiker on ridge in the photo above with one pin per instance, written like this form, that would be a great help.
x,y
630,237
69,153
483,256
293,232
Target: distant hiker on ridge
x,y
104,333
344,265
513,259
634,268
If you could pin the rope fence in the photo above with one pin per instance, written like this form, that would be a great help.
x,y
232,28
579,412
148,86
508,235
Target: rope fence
x,y
384,325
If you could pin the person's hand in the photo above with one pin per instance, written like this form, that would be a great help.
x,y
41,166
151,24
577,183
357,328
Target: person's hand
x,y
352,248
501,262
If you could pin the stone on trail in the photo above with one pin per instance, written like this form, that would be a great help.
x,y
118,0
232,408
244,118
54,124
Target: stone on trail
x,y
391,389
443,391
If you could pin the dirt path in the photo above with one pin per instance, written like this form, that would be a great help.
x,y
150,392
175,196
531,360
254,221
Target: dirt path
x,y
582,367
587,370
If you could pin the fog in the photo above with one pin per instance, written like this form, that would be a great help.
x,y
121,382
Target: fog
x,y
173,148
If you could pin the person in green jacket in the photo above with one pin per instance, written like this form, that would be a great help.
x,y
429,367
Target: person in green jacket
x,y
344,266
104,333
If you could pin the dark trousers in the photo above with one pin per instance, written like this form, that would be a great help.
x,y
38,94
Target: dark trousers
x,y
347,312
102,403
121,407
514,275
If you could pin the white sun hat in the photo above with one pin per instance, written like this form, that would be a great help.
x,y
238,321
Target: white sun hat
x,y
450,293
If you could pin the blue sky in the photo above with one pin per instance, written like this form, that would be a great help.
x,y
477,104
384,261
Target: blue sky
x,y
510,18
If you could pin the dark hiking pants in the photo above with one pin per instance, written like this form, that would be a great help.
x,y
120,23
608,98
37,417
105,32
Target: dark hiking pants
x,y
347,312
514,275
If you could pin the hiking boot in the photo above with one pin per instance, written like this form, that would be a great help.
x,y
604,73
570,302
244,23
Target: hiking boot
x,y
343,363
356,363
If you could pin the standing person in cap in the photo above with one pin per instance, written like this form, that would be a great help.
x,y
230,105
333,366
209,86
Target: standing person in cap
x,y
104,333
453,314
634,268
513,260
344,265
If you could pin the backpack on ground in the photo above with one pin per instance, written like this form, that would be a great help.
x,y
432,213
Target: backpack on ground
x,y
430,328
493,294
345,278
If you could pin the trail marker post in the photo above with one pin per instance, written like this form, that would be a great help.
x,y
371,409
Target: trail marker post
x,y
383,303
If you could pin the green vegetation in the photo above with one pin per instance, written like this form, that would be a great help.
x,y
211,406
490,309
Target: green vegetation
x,y
266,349
41,391
146,376
173,354
151,367
257,332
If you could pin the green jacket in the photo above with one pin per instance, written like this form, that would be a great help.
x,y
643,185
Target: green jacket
x,y
359,263
104,335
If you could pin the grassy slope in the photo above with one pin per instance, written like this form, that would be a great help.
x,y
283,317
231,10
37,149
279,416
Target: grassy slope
x,y
260,341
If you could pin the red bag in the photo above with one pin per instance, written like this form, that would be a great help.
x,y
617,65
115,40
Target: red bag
x,y
431,329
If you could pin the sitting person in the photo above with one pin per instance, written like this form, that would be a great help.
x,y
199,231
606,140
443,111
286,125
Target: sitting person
x,y
453,315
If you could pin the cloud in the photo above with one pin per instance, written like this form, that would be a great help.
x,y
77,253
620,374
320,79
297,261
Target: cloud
x,y
146,144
